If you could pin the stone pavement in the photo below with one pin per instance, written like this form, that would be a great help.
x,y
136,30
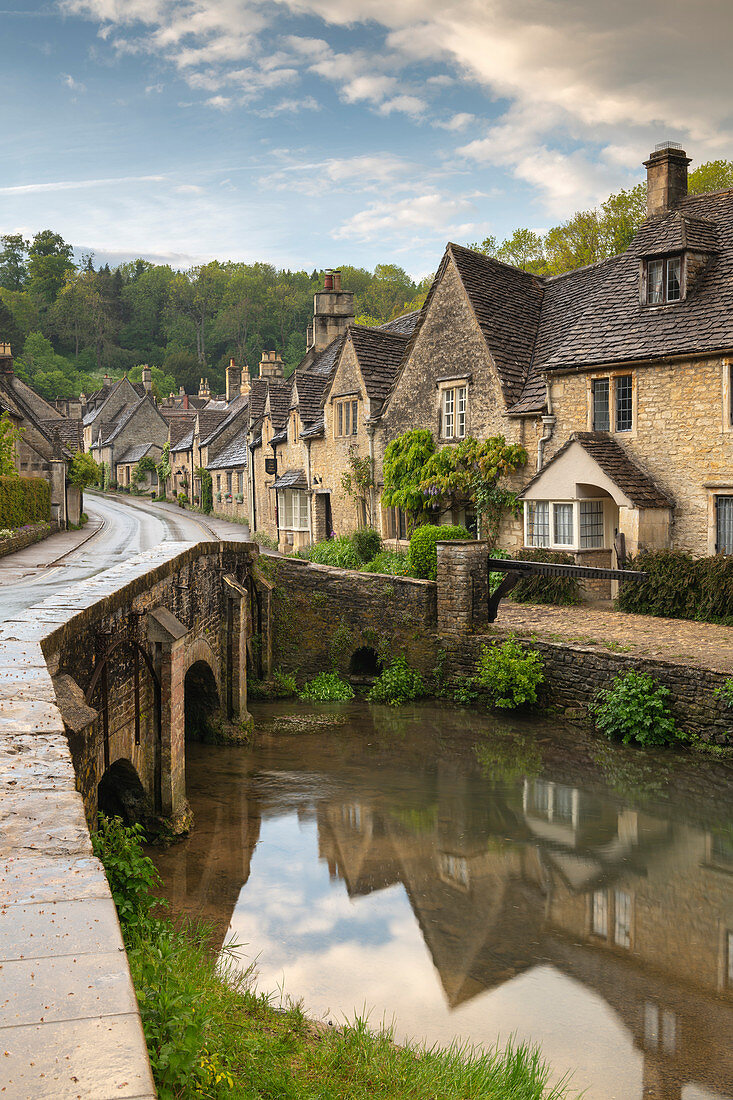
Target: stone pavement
x,y
24,563
679,641
70,1027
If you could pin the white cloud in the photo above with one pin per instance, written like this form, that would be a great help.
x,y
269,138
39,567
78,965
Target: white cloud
x,y
457,122
154,89
364,172
220,102
290,106
442,215
73,85
76,185
406,104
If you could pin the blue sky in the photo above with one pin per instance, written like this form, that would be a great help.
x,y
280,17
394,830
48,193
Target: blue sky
x,y
320,132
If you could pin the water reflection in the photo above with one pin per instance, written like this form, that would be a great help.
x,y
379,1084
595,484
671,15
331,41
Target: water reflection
x,y
472,880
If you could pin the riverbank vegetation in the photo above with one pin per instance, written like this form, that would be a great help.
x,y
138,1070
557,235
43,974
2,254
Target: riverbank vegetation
x,y
210,1034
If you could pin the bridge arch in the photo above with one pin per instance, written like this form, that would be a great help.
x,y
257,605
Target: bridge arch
x,y
201,700
120,793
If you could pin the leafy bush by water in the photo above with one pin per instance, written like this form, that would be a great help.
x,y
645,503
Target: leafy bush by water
x,y
635,708
423,555
327,687
510,674
398,684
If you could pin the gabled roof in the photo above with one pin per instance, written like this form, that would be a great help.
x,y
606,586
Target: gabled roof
x,y
308,388
234,454
325,362
257,398
379,354
402,326
179,428
675,232
70,432
185,443
234,409
208,421
127,415
616,465
507,304
279,394
134,454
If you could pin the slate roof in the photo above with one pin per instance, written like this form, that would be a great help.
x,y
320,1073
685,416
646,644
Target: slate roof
x,y
234,454
233,410
116,426
379,353
179,428
507,304
291,479
70,432
134,454
675,232
280,401
617,465
185,443
325,363
593,316
310,388
209,420
402,326
257,398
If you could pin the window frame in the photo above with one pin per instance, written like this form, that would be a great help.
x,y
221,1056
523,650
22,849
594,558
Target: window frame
x,y
345,417
574,547
665,264
286,512
457,415
612,380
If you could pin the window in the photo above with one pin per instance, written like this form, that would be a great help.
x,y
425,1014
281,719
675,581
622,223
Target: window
x,y
567,524
612,395
454,404
292,510
396,523
599,916
346,421
624,410
538,523
601,406
729,938
229,482
591,524
724,525
663,280
240,482
454,868
562,526
622,923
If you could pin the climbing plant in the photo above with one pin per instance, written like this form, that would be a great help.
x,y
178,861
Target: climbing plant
x,y
164,468
357,481
207,492
10,433
146,465
423,479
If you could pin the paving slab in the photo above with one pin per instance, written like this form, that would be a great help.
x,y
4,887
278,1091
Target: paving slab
x,y
42,821
35,762
37,991
27,879
75,1060
50,929
29,716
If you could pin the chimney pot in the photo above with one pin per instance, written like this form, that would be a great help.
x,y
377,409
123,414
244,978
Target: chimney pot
x,y
337,281
328,281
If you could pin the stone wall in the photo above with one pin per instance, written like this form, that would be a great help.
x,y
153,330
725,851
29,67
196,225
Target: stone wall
x,y
323,614
681,437
25,536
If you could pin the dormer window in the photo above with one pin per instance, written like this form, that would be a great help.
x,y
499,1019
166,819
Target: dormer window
x,y
664,280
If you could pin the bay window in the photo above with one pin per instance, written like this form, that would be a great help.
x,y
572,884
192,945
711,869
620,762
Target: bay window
x,y
292,510
564,524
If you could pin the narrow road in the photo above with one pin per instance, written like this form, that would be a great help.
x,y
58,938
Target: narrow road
x,y
117,530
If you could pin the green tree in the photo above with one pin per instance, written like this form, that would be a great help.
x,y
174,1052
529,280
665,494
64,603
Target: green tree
x,y
26,317
196,295
84,471
242,308
576,243
13,270
9,330
390,288
524,249
715,175
49,263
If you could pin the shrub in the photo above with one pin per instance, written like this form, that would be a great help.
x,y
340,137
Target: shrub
x,y
263,539
398,684
557,590
510,674
339,553
635,708
724,692
183,499
367,543
327,687
388,561
207,494
680,586
132,876
423,556
24,500
284,685
495,579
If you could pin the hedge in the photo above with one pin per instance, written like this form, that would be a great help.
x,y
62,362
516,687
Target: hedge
x,y
539,589
24,500
680,587
423,555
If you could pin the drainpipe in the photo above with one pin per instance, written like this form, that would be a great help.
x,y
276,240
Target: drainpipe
x,y
310,490
370,429
548,423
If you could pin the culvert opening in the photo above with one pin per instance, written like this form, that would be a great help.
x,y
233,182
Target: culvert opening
x,y
365,662
201,701
121,794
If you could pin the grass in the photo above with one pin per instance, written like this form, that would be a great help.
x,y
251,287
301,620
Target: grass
x,y
210,1034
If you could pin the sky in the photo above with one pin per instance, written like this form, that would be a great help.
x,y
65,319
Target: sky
x,y
316,133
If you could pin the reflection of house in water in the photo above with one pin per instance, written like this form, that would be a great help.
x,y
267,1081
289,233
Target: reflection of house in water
x,y
638,909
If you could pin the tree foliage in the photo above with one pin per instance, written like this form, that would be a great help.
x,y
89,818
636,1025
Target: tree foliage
x,y
84,471
10,433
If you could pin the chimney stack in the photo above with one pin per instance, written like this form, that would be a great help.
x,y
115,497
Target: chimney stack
x,y
147,378
333,312
245,385
271,365
666,178
6,359
233,381
204,391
